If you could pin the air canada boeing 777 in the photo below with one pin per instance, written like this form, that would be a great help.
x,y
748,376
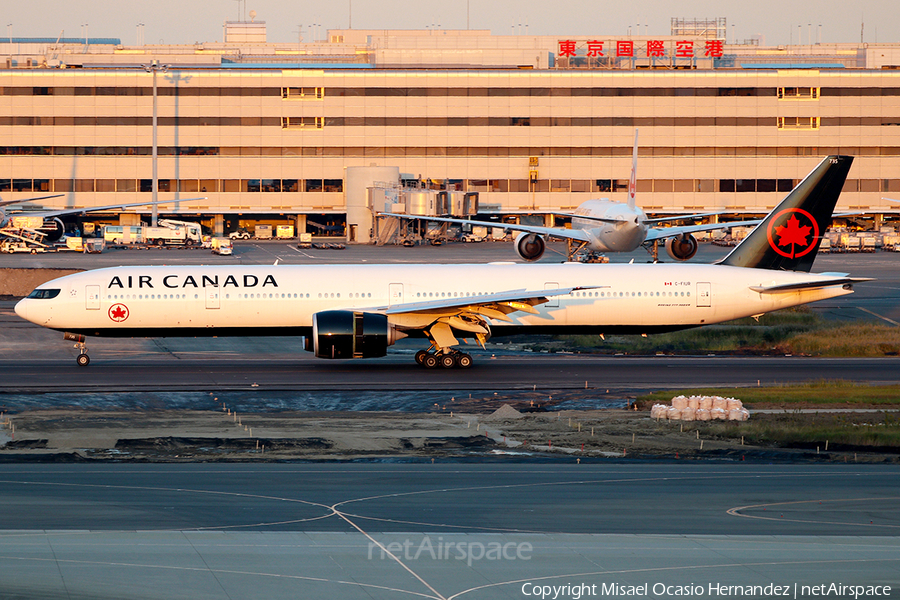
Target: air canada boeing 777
x,y
357,311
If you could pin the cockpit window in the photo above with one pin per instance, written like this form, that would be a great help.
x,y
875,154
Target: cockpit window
x,y
44,294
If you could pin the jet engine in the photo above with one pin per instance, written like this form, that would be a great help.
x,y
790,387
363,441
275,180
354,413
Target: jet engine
x,y
348,334
682,247
530,246
54,229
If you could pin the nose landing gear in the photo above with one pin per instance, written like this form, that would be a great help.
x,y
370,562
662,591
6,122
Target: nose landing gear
x,y
83,359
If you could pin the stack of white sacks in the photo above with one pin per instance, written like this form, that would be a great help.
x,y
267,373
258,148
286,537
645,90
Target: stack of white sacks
x,y
701,408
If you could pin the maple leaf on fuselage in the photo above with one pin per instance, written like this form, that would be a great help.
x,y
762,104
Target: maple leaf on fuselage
x,y
793,233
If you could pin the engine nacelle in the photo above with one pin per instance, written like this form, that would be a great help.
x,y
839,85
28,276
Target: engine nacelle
x,y
682,247
348,334
54,229
530,246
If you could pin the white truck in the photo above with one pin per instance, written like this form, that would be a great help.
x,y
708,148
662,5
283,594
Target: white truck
x,y
170,232
16,246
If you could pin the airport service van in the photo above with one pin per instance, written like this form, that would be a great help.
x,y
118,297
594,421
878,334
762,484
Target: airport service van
x,y
222,246
123,234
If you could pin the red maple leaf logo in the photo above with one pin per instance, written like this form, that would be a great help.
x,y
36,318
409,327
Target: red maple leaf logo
x,y
793,234
118,312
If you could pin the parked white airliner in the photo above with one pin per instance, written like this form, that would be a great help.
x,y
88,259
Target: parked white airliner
x,y
600,226
47,222
357,311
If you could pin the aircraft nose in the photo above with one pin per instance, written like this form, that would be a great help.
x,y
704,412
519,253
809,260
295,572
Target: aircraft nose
x,y
22,308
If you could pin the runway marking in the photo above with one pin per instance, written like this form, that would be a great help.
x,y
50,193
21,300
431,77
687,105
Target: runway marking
x,y
348,518
299,251
670,569
874,314
384,549
195,491
736,512
335,512
222,572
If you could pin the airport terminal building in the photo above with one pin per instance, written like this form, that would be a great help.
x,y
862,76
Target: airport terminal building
x,y
534,124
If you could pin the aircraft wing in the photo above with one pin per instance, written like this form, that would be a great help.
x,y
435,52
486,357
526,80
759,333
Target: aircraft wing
x,y
589,218
443,319
8,202
561,232
74,211
660,233
685,217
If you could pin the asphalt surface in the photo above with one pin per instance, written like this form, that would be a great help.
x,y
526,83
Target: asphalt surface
x,y
230,371
382,531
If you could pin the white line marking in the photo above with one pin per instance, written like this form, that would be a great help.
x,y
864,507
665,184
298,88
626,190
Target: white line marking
x,y
866,310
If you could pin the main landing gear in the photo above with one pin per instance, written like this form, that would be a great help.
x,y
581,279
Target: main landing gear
x,y
83,359
448,360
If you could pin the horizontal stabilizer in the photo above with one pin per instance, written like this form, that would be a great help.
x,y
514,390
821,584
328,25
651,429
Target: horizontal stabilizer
x,y
807,285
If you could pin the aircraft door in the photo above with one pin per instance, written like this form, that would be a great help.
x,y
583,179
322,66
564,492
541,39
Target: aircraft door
x,y
704,294
395,294
553,301
92,297
212,297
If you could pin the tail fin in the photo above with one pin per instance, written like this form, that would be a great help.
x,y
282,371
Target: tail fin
x,y
632,183
789,237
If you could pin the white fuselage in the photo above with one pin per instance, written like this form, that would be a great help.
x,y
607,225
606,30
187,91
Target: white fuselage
x,y
625,235
268,300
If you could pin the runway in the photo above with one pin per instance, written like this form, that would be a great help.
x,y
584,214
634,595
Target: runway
x,y
628,375
425,531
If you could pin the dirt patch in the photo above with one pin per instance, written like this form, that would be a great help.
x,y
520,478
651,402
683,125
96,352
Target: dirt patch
x,y
564,435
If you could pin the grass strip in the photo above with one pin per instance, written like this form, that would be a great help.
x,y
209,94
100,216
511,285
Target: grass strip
x,y
833,393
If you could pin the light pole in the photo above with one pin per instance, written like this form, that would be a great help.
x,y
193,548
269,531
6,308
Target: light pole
x,y
154,67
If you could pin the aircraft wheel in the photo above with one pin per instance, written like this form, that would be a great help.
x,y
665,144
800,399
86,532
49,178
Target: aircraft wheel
x,y
430,361
464,361
448,361
420,356
83,360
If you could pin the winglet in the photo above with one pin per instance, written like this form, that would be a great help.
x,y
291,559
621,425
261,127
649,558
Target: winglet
x,y
632,182
789,237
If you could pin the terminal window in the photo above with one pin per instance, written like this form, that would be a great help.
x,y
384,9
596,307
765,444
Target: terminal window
x,y
798,92
798,123
302,93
